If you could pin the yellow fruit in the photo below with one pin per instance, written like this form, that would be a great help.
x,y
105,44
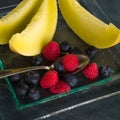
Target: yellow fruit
x,y
39,31
16,20
90,29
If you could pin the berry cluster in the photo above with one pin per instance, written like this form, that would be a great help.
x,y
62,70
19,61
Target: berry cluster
x,y
29,84
92,70
68,63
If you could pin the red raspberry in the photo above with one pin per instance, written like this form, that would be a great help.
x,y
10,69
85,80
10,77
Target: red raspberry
x,y
60,87
51,51
49,79
91,71
70,62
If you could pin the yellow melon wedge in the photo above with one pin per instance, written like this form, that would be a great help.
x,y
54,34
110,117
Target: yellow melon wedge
x,y
90,29
39,31
16,20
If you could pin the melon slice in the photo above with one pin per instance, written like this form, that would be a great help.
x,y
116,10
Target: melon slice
x,y
16,20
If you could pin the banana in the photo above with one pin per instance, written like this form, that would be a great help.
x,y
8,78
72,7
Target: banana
x,y
90,29
16,20
38,32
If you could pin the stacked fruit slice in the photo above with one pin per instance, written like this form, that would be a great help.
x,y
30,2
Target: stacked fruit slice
x,y
38,32
30,26
17,19
89,28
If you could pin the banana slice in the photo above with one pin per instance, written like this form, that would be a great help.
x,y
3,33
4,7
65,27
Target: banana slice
x,y
16,20
39,31
90,29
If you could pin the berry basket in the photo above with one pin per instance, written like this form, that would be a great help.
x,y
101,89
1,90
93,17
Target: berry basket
x,y
107,57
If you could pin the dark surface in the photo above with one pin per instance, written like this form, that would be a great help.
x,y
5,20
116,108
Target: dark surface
x,y
107,109
4,3
111,8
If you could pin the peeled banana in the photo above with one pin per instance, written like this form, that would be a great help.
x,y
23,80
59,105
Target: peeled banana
x,y
38,32
16,20
90,29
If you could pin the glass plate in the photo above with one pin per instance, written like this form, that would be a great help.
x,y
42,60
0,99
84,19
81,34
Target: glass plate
x,y
108,57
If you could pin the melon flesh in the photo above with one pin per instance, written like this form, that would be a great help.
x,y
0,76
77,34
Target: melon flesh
x,y
90,29
38,32
17,19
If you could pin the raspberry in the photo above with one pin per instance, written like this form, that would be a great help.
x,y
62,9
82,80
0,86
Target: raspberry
x,y
51,51
70,62
60,87
91,71
49,79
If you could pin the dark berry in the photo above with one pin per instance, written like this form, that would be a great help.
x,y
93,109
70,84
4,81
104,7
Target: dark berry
x,y
105,71
32,77
91,51
21,89
33,94
72,80
37,60
59,68
75,50
65,46
15,78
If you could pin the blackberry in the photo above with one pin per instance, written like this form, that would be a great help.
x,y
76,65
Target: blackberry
x,y
65,46
75,50
15,78
105,71
59,68
91,51
72,80
37,60
33,94
21,90
32,77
